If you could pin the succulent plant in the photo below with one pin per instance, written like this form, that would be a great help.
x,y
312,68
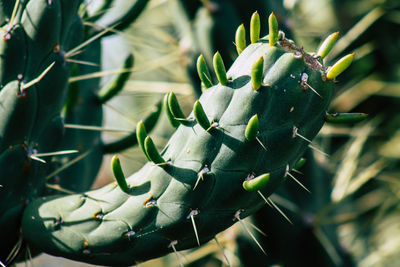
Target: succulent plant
x,y
240,143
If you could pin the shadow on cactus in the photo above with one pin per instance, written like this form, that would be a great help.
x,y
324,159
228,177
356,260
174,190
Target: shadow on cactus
x,y
240,143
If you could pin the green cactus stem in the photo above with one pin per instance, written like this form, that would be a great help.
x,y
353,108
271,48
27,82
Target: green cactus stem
x,y
203,181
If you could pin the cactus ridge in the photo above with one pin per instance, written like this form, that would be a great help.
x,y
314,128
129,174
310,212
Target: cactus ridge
x,y
194,188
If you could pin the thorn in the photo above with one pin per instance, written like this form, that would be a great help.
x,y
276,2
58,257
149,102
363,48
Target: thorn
x,y
213,125
279,210
36,80
200,175
191,216
296,133
93,128
28,251
38,159
68,164
259,141
13,14
87,42
305,85
223,252
318,150
56,153
14,252
172,244
264,198
60,189
312,89
115,86
82,62
297,181
97,75
237,216
297,171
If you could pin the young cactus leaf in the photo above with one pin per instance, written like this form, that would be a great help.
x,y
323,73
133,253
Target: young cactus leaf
x,y
345,117
201,116
152,151
118,173
141,135
327,45
168,112
113,88
256,183
240,39
252,128
219,68
273,29
257,73
255,27
300,163
175,108
203,72
339,66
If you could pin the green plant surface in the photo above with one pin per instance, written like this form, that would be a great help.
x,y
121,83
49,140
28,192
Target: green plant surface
x,y
195,184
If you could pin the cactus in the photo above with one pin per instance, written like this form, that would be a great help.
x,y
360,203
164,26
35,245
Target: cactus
x,y
212,171
40,40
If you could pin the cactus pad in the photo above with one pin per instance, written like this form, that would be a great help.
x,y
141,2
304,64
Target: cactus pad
x,y
194,190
